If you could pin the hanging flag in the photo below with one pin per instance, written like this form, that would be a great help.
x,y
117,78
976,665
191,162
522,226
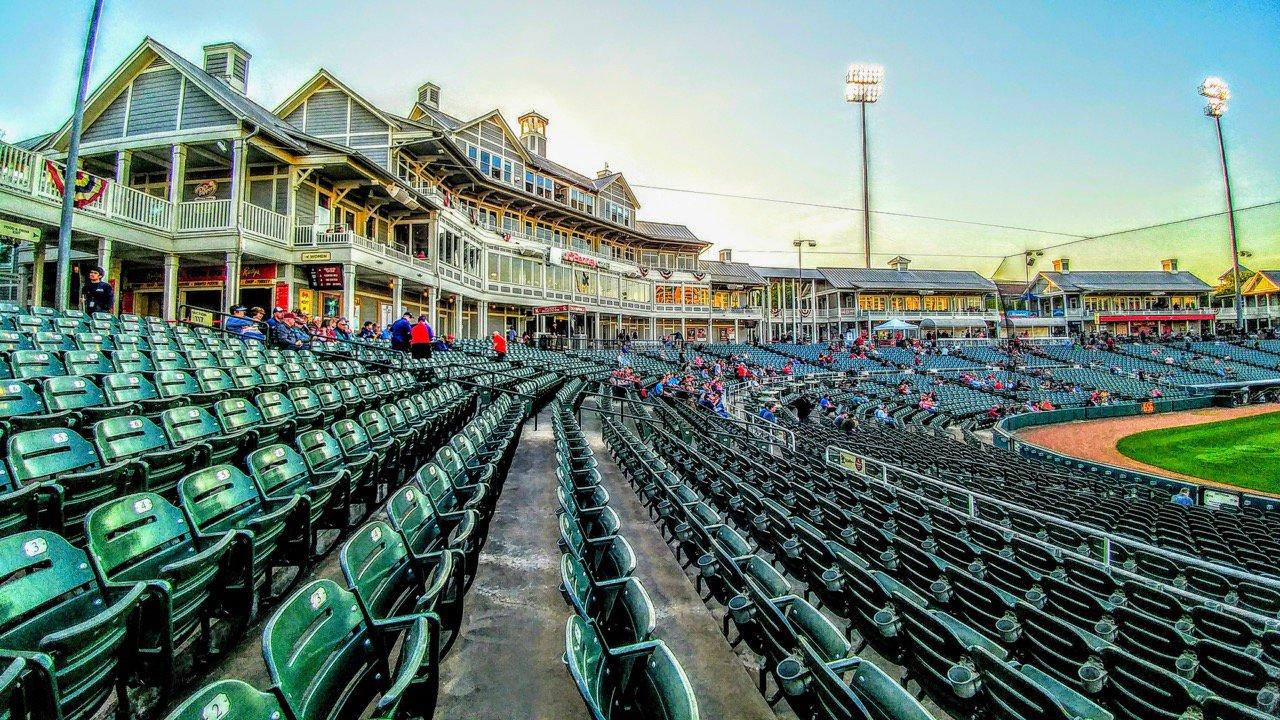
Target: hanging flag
x,y
88,187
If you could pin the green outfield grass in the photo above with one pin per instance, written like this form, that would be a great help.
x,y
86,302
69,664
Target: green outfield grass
x,y
1244,452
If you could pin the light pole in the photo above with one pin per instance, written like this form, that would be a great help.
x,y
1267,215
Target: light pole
x,y
1215,90
863,84
62,293
799,243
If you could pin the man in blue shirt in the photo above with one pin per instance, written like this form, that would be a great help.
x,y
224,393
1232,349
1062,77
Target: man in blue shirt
x,y
400,330
237,322
1183,498
766,412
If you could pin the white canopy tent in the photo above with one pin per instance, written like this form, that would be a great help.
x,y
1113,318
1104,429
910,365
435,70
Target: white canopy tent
x,y
895,325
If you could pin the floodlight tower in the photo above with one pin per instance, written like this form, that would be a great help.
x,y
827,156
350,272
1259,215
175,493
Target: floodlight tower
x,y
1216,91
863,84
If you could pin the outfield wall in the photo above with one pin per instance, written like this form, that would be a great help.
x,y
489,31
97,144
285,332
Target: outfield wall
x,y
1004,437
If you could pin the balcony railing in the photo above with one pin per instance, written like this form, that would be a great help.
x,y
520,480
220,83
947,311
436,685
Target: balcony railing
x,y
25,172
264,223
204,215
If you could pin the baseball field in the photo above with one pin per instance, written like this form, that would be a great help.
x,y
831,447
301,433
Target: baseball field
x,y
1244,452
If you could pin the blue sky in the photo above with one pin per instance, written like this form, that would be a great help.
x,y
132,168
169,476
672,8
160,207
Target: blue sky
x,y
1080,117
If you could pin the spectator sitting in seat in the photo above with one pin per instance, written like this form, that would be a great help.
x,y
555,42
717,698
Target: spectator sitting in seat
x,y
882,416
1183,498
767,413
253,330
289,333
237,323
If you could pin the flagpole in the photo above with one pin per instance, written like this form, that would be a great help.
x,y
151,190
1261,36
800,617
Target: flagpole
x,y
62,294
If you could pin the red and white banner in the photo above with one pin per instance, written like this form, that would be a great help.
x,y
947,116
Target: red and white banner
x,y
557,309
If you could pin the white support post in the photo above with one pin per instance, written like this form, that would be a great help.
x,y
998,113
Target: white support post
x,y
177,176
457,315
37,268
104,262
170,287
231,284
237,180
397,301
482,309
349,294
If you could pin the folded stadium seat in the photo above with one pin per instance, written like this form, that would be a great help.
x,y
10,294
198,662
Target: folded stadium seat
x,y
296,373
93,341
307,410
228,699
449,493
629,682
425,531
1136,690
182,384
460,459
36,364
229,358
216,383
390,581
138,438
278,417
222,499
66,464
619,608
130,361
134,387
190,425
52,342
280,473
357,449
593,515
1023,692
87,362
349,397
79,636
602,558
416,421
274,378
325,457
169,360
331,402
328,661
242,419
939,658
391,447
29,325
314,371
10,341
143,538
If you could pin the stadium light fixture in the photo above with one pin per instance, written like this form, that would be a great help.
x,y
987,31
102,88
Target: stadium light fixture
x,y
1216,91
863,84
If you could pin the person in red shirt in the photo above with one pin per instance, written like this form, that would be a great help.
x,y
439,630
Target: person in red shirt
x,y
420,337
500,346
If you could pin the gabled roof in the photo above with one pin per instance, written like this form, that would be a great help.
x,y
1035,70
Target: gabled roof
x,y
235,103
32,143
496,114
890,279
1250,286
1126,281
788,273
324,78
730,272
666,231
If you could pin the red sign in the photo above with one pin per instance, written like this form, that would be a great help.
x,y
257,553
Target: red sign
x,y
557,309
570,256
1154,318
325,277
282,295
202,276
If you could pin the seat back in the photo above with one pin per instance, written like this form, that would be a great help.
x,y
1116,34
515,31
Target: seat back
x,y
19,398
87,362
318,651
188,424
410,512
128,361
276,406
130,530
175,383
279,470
211,379
212,496
35,364
127,387
120,438
321,451
38,455
71,392
380,570
236,414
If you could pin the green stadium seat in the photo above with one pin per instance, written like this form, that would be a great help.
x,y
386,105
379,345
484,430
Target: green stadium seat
x,y
195,425
280,473
223,499
195,577
79,637
35,364
229,699
138,438
329,662
66,463
634,681
391,581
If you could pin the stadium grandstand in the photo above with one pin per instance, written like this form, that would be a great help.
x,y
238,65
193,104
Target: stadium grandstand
x,y
356,412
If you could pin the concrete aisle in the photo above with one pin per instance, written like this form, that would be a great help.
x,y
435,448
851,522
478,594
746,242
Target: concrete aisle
x,y
724,685
506,665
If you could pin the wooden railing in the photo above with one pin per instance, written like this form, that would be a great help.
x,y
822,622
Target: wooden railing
x,y
200,215
264,223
